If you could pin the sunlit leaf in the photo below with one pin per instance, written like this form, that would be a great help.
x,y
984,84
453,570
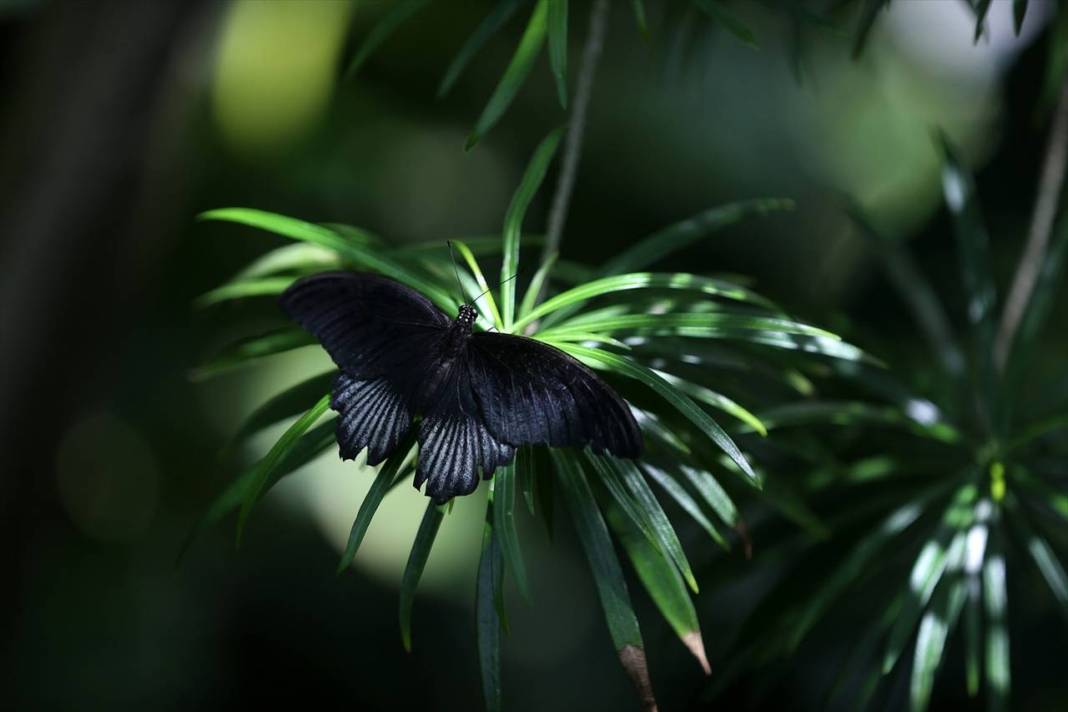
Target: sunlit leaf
x,y
483,285
384,480
682,497
663,582
676,398
274,457
931,641
251,350
265,286
360,255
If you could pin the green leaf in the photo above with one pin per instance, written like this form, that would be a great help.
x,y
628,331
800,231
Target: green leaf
x,y
728,20
939,553
678,492
557,24
973,246
310,445
643,280
981,8
286,404
504,505
716,400
664,243
712,493
995,599
972,644
679,400
663,583
847,413
850,568
265,286
869,12
593,534
413,570
1019,12
251,350
384,481
931,641
274,457
486,29
639,16
514,76
915,290
372,259
299,258
626,483
483,286
607,574
534,290
513,219
725,325
398,14
525,475
488,593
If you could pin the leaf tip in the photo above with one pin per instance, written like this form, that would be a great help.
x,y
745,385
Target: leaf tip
x,y
696,645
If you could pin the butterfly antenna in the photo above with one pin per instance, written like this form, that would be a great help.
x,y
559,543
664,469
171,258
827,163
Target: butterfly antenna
x,y
456,273
498,284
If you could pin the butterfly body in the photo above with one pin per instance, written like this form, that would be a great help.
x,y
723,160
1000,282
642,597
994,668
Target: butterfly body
x,y
478,395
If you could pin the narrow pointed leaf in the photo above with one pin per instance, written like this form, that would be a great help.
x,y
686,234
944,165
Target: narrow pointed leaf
x,y
607,574
650,517
681,496
251,350
728,20
358,254
534,289
413,570
310,445
995,599
644,280
557,27
263,287
664,243
488,593
398,14
639,16
935,628
274,457
679,400
486,29
514,76
504,508
382,484
513,219
286,404
663,583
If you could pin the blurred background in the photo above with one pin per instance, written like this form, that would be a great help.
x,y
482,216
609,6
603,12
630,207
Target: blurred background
x,y
120,121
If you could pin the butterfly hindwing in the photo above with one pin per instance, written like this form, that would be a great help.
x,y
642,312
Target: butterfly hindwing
x,y
531,393
454,442
372,414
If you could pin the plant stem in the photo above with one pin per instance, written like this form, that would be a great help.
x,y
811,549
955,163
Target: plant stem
x,y
565,185
1049,191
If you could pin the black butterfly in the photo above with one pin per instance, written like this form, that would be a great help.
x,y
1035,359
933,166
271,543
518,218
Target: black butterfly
x,y
479,395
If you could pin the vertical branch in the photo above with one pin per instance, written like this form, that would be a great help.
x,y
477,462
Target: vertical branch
x,y
573,143
1049,191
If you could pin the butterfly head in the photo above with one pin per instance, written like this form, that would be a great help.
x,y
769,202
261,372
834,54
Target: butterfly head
x,y
467,316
